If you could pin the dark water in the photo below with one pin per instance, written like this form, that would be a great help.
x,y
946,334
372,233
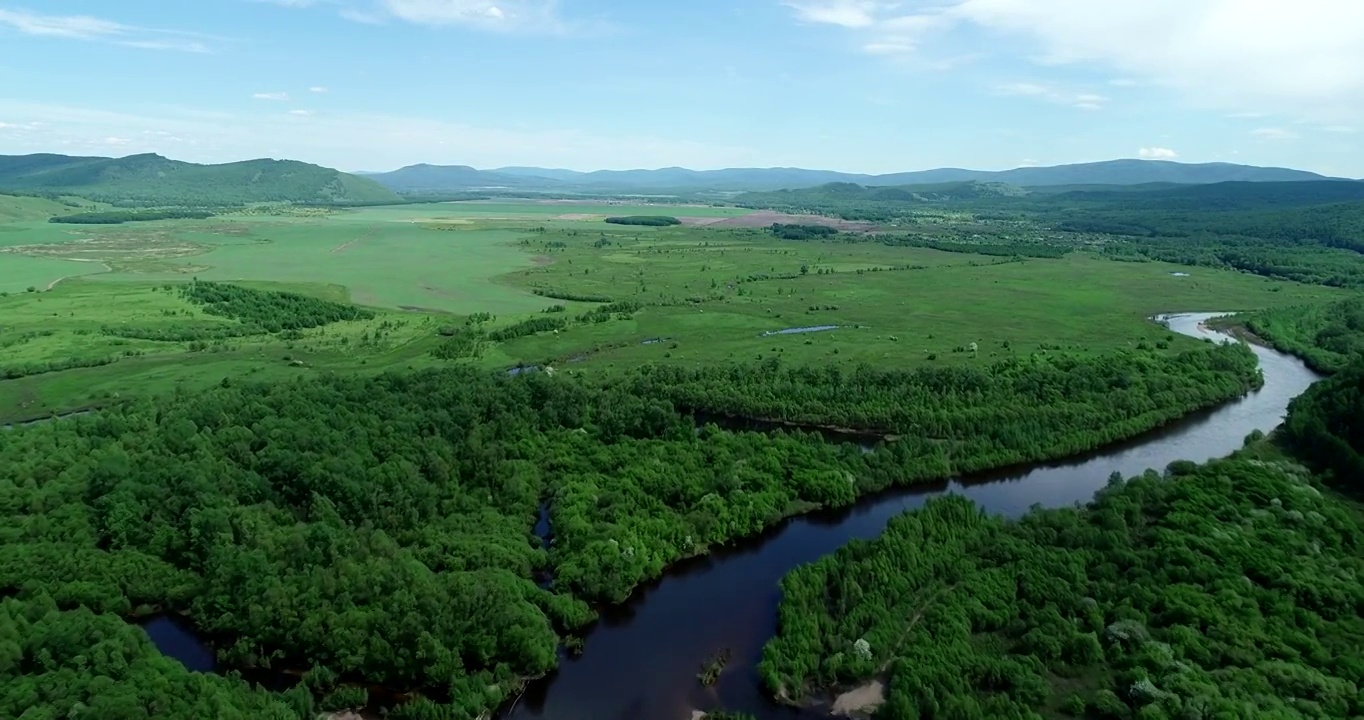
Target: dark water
x,y
176,637
799,330
640,662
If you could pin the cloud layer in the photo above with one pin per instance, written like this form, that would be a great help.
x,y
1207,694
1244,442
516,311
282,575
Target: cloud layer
x,y
84,27
1302,58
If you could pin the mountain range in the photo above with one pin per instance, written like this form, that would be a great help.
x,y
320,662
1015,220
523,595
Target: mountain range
x,y
445,178
150,179
153,179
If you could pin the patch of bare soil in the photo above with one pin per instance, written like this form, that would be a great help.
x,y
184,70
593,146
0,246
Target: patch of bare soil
x,y
700,221
862,700
123,253
542,260
579,216
765,218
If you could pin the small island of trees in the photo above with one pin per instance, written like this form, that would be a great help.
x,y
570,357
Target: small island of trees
x,y
645,220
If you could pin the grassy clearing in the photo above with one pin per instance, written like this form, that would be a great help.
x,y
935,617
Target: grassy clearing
x,y
16,208
392,263
74,320
713,293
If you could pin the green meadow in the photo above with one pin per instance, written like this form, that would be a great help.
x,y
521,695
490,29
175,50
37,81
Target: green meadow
x,y
704,295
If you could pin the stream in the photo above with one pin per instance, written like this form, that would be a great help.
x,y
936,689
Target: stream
x,y
640,661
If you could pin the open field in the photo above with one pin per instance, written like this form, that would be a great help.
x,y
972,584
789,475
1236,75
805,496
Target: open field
x,y
84,322
710,295
705,293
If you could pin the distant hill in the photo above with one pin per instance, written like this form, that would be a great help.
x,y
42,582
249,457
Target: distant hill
x,y
155,180
437,178
1112,172
852,201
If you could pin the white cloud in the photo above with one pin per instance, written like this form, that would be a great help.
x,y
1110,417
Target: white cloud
x,y
276,96
1342,129
1273,133
317,89
509,16
499,15
301,113
117,141
1301,58
1157,153
85,27
1053,94
845,13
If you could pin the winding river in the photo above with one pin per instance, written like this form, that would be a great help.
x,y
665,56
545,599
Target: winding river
x,y
640,662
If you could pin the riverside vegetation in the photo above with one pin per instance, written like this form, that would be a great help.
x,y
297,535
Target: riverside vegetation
x,y
331,525
346,495
1226,589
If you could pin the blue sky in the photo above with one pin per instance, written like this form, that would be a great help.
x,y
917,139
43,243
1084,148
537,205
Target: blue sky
x,y
856,85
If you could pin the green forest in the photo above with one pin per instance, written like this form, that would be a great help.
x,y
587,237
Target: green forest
x,y
149,180
1303,231
1223,590
333,525
1328,337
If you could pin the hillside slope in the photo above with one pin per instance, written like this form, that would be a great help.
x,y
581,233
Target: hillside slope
x,y
14,208
676,179
155,180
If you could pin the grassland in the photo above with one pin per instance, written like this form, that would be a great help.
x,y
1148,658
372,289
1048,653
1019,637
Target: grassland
x,y
706,293
710,295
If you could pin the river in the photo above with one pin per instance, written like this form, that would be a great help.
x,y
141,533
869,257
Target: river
x,y
640,662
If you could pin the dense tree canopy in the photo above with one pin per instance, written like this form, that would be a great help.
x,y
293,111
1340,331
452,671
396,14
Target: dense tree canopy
x,y
645,220
1223,590
271,310
1327,336
1228,590
381,528
78,664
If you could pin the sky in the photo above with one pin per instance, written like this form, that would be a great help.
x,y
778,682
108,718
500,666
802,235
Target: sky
x,y
854,85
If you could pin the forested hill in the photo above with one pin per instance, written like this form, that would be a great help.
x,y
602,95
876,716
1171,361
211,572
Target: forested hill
x,y
677,179
155,180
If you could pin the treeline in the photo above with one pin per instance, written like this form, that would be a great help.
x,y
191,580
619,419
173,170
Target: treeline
x,y
570,296
998,249
22,370
270,310
603,313
335,524
1222,590
63,664
1328,336
645,220
1326,426
802,232
528,327
118,217
182,331
962,419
